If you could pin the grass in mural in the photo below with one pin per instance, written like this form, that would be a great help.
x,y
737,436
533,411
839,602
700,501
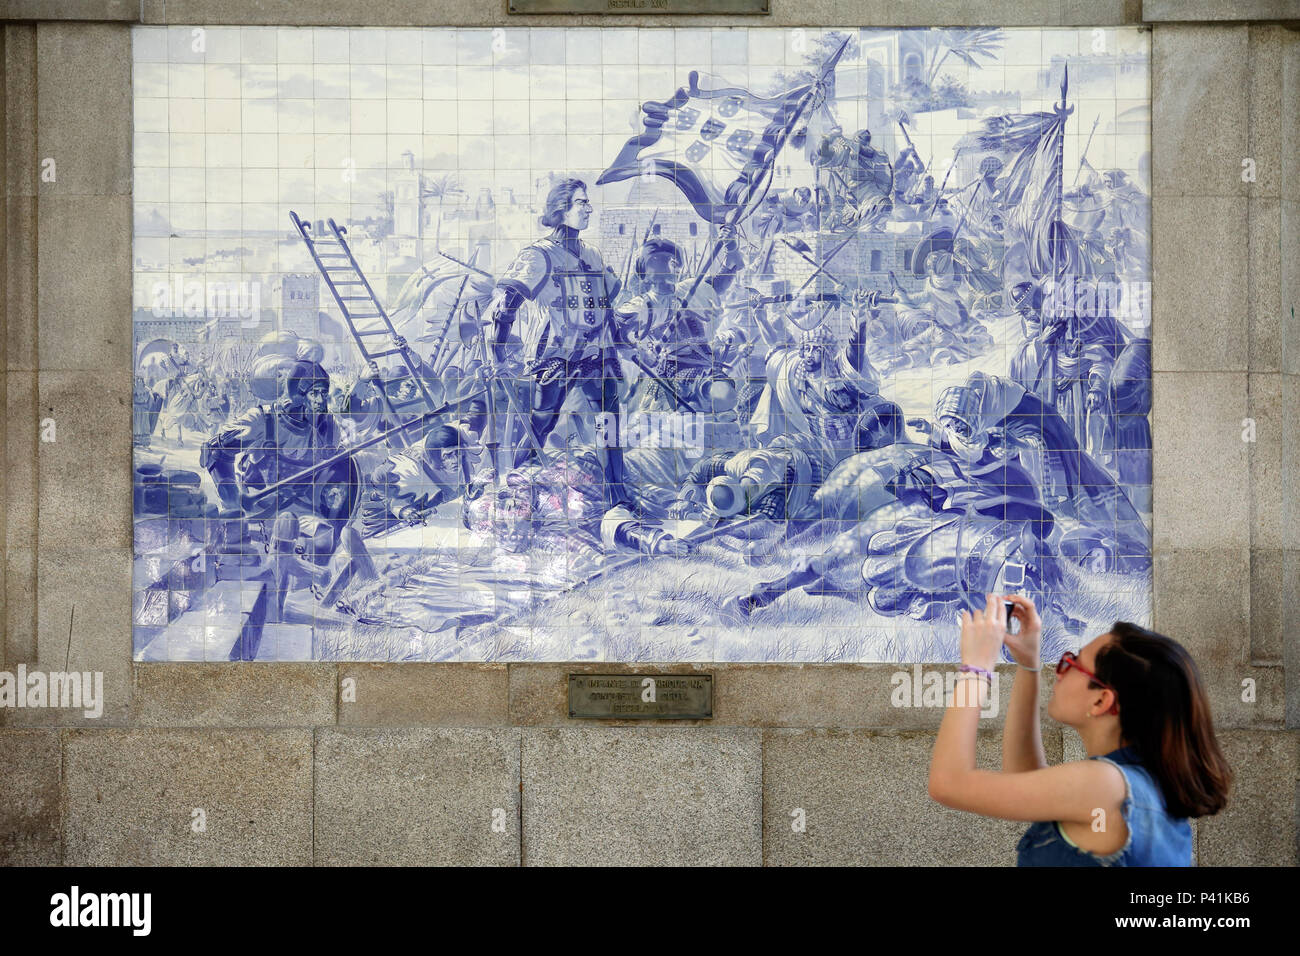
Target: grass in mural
x,y
671,610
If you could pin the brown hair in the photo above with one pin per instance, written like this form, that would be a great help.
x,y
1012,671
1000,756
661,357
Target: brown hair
x,y
1165,715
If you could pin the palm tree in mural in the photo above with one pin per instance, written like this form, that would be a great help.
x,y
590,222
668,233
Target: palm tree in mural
x,y
440,188
967,45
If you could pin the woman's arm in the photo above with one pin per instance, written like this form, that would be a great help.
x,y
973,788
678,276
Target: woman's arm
x,y
1068,792
1022,738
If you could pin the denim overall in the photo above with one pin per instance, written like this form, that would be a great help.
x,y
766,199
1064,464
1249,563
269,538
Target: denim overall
x,y
1154,837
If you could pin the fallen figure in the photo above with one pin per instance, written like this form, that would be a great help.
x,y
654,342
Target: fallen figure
x,y
925,534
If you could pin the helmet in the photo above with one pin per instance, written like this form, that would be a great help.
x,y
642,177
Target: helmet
x,y
1027,293
301,377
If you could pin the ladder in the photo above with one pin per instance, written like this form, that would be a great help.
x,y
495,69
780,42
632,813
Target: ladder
x,y
367,320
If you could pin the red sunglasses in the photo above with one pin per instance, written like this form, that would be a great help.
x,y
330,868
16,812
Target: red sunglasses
x,y
1070,659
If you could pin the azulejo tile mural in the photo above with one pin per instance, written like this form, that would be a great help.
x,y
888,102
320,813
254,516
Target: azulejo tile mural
x,y
636,345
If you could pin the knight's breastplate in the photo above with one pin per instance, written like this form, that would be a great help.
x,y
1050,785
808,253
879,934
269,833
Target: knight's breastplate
x,y
577,301
295,449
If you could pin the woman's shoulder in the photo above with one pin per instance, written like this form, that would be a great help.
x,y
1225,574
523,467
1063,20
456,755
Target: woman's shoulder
x,y
1104,774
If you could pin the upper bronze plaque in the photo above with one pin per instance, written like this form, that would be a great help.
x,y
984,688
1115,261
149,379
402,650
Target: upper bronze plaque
x,y
679,7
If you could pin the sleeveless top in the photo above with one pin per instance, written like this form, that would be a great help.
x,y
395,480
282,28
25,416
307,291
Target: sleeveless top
x,y
1154,837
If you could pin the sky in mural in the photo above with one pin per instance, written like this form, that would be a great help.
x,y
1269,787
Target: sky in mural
x,y
636,345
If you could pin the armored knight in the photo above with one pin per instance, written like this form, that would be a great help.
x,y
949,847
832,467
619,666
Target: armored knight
x,y
568,335
671,332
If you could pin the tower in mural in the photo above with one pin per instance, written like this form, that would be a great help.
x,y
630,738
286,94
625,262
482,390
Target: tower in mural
x,y
300,304
408,210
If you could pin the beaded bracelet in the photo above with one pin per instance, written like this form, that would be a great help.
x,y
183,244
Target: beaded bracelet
x,y
968,669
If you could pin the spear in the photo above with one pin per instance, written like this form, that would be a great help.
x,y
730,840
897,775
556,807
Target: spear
x,y
451,315
1083,157
421,422
944,183
723,527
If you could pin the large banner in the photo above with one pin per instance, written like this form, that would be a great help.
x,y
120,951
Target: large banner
x,y
637,345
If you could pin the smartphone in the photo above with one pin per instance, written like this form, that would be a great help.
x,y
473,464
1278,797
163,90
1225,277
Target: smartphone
x,y
1011,621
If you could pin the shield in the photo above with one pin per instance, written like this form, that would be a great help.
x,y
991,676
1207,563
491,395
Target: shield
x,y
336,490
938,241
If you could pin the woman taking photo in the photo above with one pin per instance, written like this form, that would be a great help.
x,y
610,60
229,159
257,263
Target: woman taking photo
x,y
1135,697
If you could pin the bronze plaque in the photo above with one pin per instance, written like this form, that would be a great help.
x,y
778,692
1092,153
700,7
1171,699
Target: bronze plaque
x,y
645,696
715,7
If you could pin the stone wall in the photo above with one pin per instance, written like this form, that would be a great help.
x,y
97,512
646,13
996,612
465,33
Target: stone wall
x,y
479,763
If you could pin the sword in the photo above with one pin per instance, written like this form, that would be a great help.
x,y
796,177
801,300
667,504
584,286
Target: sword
x,y
488,354
723,527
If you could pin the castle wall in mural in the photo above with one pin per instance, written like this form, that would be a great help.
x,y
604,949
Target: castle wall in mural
x,y
636,345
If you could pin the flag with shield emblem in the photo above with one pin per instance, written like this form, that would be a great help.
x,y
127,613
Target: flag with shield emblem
x,y
715,142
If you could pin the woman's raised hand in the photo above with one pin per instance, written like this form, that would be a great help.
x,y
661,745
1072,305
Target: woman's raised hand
x,y
982,634
1026,645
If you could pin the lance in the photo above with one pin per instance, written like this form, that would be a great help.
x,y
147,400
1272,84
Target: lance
x,y
714,532
943,184
733,217
626,275
1057,227
423,421
791,296
461,262
767,257
825,262
635,360
1083,157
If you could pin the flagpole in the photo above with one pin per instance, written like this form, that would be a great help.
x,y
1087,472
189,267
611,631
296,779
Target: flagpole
x,y
1060,150
828,69
1058,225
